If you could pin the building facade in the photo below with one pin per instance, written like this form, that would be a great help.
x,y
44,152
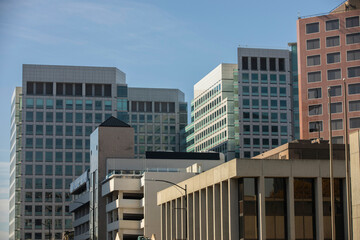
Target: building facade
x,y
257,199
328,54
53,115
114,199
265,100
214,115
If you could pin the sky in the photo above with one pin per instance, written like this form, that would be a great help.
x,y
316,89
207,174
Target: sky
x,y
157,43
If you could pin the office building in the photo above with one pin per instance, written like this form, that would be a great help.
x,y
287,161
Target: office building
x,y
52,116
125,205
328,52
258,199
265,101
295,90
214,124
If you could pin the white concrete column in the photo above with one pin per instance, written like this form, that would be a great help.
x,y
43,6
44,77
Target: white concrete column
x,y
224,210
210,213
203,226
261,208
319,209
233,209
216,211
290,208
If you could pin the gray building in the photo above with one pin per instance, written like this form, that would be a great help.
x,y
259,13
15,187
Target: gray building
x,y
52,116
265,100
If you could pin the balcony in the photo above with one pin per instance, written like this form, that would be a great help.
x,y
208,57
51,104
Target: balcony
x,y
82,220
123,203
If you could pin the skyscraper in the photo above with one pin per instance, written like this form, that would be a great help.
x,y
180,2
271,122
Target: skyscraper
x,y
328,52
52,116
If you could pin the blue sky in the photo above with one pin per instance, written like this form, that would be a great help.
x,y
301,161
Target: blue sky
x,y
157,43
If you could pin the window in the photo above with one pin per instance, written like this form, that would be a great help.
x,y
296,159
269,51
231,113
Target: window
x,y
59,104
254,65
265,130
245,78
332,25
282,92
354,106
313,44
282,79
312,28
274,117
337,124
281,64
245,90
333,57
315,110
355,122
353,38
254,78
273,78
245,63
338,140
273,104
255,91
59,117
336,107
39,103
29,103
265,117
122,91
39,116
353,55
273,91
334,74
264,104
29,116
255,103
264,78
283,130
263,64
353,72
264,91
69,117
272,64
354,88
314,93
313,60
335,91
49,117
352,22
332,41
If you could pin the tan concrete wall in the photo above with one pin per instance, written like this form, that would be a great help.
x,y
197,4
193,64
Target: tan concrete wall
x,y
355,181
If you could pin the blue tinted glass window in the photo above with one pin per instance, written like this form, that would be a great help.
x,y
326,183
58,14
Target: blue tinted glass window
x,y
122,91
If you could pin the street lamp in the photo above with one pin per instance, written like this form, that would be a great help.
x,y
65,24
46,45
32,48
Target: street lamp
x,y
93,222
185,198
332,197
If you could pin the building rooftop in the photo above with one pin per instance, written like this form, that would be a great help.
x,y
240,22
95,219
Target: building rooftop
x,y
113,122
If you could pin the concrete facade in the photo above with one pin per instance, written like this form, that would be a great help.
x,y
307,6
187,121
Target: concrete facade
x,y
328,48
265,100
53,115
355,180
217,209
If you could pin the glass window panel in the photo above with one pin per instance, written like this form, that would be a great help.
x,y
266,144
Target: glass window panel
x,y
312,28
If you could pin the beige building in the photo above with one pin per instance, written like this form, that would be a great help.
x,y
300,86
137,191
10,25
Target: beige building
x,y
257,199
355,180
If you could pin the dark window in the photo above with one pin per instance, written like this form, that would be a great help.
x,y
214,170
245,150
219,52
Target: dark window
x,y
353,55
141,106
39,88
355,122
353,38
157,107
78,89
59,89
107,90
314,93
164,107
339,208
148,106
304,208
68,89
312,44
334,74
315,110
333,57
352,22
337,140
316,126
275,208
312,28
171,107
272,64
337,124
332,41
353,72
98,90
134,106
314,77
335,91
30,88
354,106
332,25
248,208
245,63
254,65
336,107
354,88
48,88
313,60
263,64
88,90
122,91
281,64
